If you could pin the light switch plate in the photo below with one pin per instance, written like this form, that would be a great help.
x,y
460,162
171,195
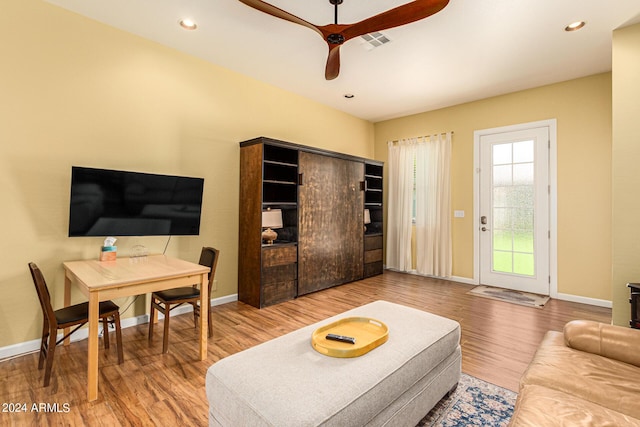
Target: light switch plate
x,y
458,214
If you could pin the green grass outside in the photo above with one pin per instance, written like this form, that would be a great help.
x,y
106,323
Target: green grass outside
x,y
513,252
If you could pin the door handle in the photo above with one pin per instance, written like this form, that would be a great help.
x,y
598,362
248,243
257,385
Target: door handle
x,y
484,229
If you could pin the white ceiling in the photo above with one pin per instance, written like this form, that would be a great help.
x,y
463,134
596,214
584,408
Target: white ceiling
x,y
473,49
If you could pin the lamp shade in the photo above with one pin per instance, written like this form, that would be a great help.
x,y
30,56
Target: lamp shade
x,y
367,216
272,218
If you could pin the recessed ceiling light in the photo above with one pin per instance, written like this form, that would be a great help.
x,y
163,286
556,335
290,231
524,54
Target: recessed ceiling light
x,y
575,26
349,95
188,24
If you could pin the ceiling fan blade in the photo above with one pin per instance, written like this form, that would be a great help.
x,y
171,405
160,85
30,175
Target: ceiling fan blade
x,y
279,13
401,15
332,68
336,34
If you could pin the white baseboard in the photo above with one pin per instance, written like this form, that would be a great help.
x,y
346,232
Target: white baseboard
x,y
464,280
82,334
188,308
26,347
564,297
584,300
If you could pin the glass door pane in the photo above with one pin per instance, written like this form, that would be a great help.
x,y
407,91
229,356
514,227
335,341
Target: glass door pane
x,y
513,200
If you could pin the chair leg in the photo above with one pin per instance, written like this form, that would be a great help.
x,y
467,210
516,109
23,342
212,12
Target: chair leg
x,y
195,314
209,322
152,313
50,353
165,338
43,347
105,332
116,320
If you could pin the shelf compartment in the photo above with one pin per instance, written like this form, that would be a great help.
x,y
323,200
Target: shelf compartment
x,y
280,173
373,197
374,184
373,170
279,193
275,154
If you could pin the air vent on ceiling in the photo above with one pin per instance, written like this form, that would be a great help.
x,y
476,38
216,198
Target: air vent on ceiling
x,y
373,40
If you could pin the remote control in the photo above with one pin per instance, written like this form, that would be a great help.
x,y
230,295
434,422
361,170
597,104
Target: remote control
x,y
341,338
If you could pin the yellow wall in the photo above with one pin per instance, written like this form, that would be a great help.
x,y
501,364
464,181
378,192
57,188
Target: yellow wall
x,y
626,161
582,108
76,92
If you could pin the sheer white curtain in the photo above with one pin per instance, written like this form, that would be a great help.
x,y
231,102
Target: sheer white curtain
x,y
433,206
400,205
431,158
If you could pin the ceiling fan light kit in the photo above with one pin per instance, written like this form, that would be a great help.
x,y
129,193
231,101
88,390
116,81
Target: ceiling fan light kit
x,y
336,34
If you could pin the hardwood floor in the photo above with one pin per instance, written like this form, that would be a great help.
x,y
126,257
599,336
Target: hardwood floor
x,y
149,388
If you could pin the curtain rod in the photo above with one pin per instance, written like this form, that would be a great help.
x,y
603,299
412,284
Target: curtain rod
x,y
425,136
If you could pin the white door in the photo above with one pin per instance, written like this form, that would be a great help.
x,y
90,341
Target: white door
x,y
514,210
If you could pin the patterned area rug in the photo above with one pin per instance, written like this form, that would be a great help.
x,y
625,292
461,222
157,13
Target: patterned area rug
x,y
474,403
509,295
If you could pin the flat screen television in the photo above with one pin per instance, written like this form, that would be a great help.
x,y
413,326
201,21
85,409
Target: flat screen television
x,y
120,203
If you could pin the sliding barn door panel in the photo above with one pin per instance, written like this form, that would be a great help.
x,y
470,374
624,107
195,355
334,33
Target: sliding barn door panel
x,y
331,232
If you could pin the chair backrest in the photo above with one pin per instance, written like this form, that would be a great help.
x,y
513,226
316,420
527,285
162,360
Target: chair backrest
x,y
209,257
43,294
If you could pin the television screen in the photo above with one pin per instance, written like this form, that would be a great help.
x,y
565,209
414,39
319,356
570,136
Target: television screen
x,y
119,203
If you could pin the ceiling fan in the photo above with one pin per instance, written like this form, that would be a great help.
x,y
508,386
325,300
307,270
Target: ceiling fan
x,y
336,34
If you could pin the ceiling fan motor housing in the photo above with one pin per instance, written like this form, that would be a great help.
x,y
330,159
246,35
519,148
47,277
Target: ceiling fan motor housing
x,y
335,38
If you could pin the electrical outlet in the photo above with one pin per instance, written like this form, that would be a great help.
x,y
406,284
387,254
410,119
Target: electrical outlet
x,y
214,286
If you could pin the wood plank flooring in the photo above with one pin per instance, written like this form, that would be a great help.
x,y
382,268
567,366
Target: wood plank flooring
x,y
149,388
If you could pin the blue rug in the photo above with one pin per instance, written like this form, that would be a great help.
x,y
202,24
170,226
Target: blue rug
x,y
474,403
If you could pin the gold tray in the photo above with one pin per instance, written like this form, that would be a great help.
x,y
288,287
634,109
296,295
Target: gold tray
x,y
369,334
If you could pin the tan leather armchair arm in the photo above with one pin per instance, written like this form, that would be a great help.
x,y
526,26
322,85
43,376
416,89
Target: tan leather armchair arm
x,y
613,342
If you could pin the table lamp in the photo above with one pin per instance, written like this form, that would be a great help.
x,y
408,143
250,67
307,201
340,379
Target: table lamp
x,y
271,218
367,218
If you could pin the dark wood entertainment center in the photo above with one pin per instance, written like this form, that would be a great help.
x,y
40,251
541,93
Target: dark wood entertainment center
x,y
324,240
634,300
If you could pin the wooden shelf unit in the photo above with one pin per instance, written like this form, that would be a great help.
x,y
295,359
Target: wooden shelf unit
x,y
373,239
323,242
267,274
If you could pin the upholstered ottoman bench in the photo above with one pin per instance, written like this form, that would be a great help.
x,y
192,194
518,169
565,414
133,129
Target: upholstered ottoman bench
x,y
285,382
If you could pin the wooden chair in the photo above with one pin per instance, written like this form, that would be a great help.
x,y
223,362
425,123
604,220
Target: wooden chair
x,y
165,301
75,315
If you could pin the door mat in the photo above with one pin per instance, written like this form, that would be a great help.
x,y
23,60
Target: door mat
x,y
509,295
474,403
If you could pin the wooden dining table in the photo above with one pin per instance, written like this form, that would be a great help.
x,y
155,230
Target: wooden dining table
x,y
127,276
